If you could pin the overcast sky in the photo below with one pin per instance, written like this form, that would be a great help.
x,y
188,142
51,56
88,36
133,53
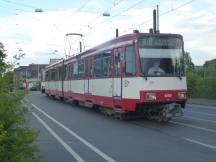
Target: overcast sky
x,y
42,35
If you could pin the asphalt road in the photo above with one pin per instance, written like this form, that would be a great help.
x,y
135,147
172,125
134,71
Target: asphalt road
x,y
69,133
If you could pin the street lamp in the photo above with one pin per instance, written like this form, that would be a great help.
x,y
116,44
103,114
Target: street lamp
x,y
38,10
106,14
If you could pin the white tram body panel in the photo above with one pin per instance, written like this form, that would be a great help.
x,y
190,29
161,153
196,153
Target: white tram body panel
x,y
101,87
133,86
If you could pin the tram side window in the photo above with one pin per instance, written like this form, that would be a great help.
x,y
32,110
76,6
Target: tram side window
x,y
49,75
59,73
129,61
91,73
80,69
46,76
71,67
86,68
75,69
98,65
117,64
63,72
106,64
53,75
67,72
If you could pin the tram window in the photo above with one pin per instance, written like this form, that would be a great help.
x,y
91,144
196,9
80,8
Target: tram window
x,y
53,75
63,72
91,69
70,68
59,73
117,62
80,69
66,72
106,64
75,69
86,68
129,60
46,76
98,65
49,75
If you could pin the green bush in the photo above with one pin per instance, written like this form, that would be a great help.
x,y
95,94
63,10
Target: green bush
x,y
16,137
200,87
209,88
201,80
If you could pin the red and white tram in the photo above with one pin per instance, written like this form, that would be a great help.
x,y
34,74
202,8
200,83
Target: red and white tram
x,y
139,73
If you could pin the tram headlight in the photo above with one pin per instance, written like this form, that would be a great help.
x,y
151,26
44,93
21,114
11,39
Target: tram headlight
x,y
151,96
182,95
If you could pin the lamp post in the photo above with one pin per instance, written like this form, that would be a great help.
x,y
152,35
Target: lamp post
x,y
38,10
106,14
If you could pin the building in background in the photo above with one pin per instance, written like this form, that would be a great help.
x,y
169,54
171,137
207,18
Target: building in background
x,y
54,60
33,71
21,73
30,76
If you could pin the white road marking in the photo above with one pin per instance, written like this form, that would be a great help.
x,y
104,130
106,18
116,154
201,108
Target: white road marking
x,y
213,121
202,106
200,143
92,147
195,112
193,126
59,139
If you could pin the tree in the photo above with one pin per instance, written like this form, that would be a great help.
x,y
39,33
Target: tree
x,y
2,57
188,62
209,68
16,137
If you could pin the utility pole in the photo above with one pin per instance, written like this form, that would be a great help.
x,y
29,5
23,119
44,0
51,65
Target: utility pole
x,y
156,20
158,30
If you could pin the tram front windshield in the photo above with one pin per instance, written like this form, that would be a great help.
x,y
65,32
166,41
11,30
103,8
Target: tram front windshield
x,y
161,56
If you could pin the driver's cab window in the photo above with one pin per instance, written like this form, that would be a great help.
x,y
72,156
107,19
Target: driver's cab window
x,y
159,66
155,68
161,56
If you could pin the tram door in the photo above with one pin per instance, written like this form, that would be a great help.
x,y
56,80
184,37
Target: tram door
x,y
117,79
86,80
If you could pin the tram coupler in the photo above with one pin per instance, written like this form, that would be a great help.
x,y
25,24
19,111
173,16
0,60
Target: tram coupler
x,y
169,111
172,110
176,110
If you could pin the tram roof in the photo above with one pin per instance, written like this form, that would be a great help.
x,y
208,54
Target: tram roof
x,y
123,38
